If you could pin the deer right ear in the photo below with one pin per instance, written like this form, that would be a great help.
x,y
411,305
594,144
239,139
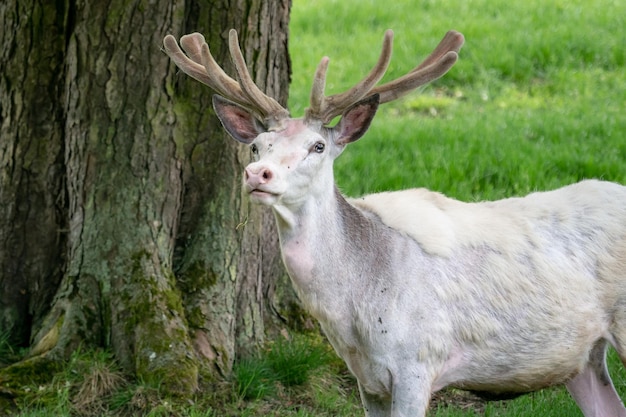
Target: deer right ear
x,y
237,121
356,120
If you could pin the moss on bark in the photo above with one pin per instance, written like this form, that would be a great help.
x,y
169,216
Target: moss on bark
x,y
32,371
162,348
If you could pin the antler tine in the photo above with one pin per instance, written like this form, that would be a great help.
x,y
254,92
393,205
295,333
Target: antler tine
x,y
273,113
182,61
434,66
200,65
198,50
317,90
325,108
452,41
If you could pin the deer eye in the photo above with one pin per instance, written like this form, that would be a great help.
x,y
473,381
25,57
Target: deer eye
x,y
319,147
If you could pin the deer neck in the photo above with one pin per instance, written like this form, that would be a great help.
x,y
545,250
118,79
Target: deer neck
x,y
316,220
318,241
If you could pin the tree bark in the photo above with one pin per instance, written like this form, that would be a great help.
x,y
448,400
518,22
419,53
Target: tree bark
x,y
219,229
32,187
121,193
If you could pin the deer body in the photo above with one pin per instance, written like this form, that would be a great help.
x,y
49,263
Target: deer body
x,y
503,297
416,291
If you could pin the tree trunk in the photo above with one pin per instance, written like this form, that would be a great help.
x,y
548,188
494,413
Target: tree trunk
x,y
117,178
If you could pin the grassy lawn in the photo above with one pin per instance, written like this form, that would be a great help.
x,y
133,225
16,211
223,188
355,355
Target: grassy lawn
x,y
536,101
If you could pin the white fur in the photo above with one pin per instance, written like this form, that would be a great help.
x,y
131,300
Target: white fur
x,y
441,224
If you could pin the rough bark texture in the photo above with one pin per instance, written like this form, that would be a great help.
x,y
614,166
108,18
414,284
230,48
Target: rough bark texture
x,y
122,222
220,230
32,195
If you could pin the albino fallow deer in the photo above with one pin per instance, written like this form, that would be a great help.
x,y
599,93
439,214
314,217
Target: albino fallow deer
x,y
417,291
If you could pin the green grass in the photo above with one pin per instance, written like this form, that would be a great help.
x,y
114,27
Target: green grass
x,y
299,377
7,351
536,100
292,361
286,362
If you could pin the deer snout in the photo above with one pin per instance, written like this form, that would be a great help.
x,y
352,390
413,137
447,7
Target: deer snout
x,y
256,176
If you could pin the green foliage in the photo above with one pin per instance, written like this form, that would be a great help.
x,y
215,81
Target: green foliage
x,y
288,362
300,376
92,384
253,379
292,361
7,351
81,386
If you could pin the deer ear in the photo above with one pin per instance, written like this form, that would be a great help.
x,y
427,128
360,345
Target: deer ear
x,y
237,121
356,120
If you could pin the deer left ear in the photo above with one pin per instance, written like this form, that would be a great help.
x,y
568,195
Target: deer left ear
x,y
356,120
237,121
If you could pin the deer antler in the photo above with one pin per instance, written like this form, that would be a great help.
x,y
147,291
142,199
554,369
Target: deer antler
x,y
325,108
434,66
200,64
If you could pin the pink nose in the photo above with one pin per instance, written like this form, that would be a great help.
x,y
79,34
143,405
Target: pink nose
x,y
256,177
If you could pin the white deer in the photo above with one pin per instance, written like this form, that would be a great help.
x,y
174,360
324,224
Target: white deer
x,y
417,291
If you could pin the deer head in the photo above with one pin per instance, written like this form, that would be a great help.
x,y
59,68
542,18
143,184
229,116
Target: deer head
x,y
293,157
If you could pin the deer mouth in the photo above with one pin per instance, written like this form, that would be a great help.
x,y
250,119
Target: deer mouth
x,y
262,196
260,193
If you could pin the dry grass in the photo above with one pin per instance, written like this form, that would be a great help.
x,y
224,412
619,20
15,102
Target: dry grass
x,y
99,384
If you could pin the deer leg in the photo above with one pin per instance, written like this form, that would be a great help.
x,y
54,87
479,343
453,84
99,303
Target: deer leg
x,y
410,395
593,389
375,406
619,331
